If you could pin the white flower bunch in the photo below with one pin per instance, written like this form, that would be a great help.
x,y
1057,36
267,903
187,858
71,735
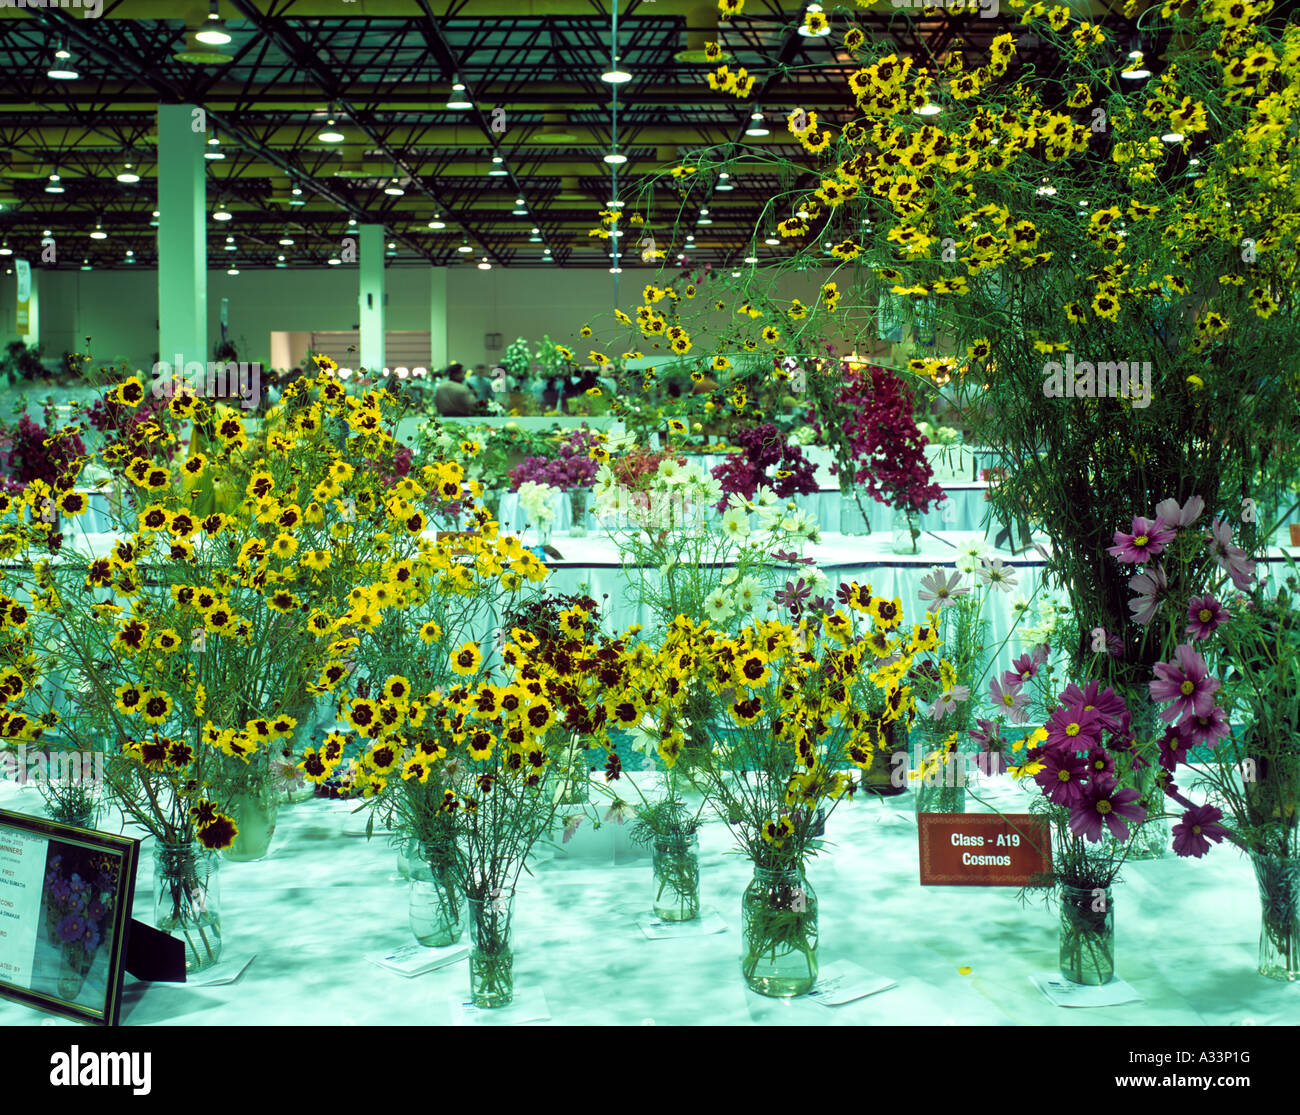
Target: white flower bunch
x,y
538,500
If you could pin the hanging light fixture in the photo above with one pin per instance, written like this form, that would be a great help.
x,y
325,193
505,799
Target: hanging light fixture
x,y
498,167
614,158
1134,70
5,250
437,222
221,213
128,175
464,248
459,99
214,151
63,71
55,184
394,189
756,125
330,133
483,264
213,32
286,240
99,233
815,24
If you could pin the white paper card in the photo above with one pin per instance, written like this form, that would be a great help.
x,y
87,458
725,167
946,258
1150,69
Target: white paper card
x,y
529,1006
1066,994
224,971
414,959
843,982
707,923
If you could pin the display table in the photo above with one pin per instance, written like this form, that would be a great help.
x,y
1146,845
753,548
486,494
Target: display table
x,y
1186,936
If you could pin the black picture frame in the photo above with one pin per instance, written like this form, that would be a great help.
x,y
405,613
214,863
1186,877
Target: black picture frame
x,y
114,860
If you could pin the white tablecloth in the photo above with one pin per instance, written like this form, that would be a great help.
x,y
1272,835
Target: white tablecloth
x,y
1186,935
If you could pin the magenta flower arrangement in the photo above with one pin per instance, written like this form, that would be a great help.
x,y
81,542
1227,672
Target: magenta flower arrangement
x,y
767,458
869,425
571,467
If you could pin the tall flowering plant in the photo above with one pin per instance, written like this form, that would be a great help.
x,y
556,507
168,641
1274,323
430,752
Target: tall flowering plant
x,y
865,415
766,456
570,466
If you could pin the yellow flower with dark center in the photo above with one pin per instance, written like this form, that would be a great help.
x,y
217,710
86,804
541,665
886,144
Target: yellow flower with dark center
x,y
466,659
155,706
128,698
720,364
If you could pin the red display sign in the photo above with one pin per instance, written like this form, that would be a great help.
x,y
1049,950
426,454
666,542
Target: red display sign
x,y
983,849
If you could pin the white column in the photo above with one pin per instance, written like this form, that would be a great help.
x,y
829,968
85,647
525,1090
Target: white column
x,y
371,271
182,236
438,318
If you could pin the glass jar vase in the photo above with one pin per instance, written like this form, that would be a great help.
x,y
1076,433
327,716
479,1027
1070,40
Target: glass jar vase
x,y
675,859
491,959
1087,944
578,506
854,519
886,774
905,532
779,933
941,775
1279,897
255,814
187,900
434,909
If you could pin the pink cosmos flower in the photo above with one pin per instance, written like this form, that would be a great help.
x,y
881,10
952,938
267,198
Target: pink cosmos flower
x,y
1149,537
1188,685
1204,614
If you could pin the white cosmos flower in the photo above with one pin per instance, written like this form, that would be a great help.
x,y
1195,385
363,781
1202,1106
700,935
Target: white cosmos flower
x,y
735,523
669,471
747,593
764,496
717,606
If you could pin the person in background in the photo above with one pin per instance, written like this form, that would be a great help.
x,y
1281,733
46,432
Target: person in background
x,y
453,399
481,383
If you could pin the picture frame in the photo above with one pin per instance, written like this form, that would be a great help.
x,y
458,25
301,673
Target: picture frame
x,y
65,913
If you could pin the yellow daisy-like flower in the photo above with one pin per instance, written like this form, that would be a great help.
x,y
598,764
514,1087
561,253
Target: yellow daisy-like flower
x,y
284,546
720,364
466,659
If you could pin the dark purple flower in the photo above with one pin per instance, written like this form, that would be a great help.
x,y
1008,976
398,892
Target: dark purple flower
x,y
1074,728
1199,826
1023,668
1202,731
1188,684
1063,775
1107,703
1100,762
1148,538
1104,803
1173,748
1204,614
793,596
72,928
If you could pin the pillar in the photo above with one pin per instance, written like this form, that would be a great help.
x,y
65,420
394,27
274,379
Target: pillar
x,y
437,319
182,236
371,271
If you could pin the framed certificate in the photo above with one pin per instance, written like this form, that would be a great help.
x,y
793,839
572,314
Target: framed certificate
x,y
65,908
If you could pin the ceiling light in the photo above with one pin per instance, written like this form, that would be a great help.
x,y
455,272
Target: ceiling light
x,y
498,169
772,241
55,184
464,248
202,54
394,189
724,186
705,221
279,261
128,176
330,133
63,72
751,259
616,270
483,265
351,221
546,251
1172,137
690,236
214,153
334,261
756,126
221,213
534,240
213,32
233,271
63,52
615,204
99,233
286,241
615,76
5,250
615,159
735,274
437,223
130,256
85,265
458,100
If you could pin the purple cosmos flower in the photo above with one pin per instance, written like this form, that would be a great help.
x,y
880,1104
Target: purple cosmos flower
x,y
1204,614
1180,517
1149,537
947,701
1063,775
1041,651
1109,705
987,736
1199,826
1023,668
1150,587
1100,762
1074,727
941,587
1187,684
1104,803
1231,559
1202,731
793,596
1173,748
1009,699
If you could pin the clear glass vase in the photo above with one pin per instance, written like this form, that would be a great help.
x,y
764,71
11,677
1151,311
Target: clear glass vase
x,y
1152,840
853,514
491,960
187,900
886,775
905,533
255,815
434,902
578,505
779,933
675,859
491,500
572,775
1087,944
1279,933
940,784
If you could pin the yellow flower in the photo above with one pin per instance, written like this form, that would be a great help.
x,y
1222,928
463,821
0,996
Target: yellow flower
x,y
466,659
